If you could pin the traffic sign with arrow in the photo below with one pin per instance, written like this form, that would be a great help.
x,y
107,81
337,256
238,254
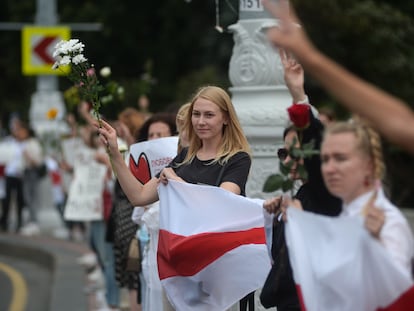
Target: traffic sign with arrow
x,y
37,48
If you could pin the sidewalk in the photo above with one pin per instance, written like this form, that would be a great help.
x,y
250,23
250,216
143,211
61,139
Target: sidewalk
x,y
52,250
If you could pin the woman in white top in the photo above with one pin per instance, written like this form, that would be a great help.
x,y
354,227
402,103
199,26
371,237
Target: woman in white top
x,y
158,126
352,167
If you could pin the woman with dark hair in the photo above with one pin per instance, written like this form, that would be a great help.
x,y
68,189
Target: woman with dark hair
x,y
279,289
159,125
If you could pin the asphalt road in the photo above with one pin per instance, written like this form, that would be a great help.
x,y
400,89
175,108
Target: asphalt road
x,y
25,285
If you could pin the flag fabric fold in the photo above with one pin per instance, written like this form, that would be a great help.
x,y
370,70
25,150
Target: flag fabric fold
x,y
211,249
338,266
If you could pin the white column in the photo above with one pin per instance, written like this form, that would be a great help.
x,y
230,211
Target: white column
x,y
258,92
47,95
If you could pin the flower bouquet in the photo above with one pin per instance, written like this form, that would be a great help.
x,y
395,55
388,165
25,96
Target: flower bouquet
x,y
82,74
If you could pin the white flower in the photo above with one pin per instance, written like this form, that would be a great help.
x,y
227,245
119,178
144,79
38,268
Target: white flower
x,y
58,48
78,59
120,90
71,47
77,47
65,60
107,99
105,72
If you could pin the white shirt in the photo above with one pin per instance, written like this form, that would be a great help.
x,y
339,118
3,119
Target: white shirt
x,y
15,167
396,235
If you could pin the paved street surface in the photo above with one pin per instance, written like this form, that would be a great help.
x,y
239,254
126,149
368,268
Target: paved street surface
x,y
41,272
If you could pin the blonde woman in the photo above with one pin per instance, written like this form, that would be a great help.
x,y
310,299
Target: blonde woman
x,y
218,153
352,167
180,122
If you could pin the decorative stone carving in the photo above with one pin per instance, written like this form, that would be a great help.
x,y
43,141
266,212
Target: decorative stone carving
x,y
259,94
253,62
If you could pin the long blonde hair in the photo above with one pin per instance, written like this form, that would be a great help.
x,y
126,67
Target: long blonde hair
x,y
180,123
368,141
233,140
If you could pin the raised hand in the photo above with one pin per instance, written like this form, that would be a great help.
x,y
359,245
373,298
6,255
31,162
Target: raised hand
x,y
294,76
108,137
374,217
288,35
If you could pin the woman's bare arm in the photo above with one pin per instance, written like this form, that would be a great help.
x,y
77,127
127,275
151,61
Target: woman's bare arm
x,y
388,114
138,194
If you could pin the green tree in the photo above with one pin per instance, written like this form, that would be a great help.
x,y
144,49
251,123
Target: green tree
x,y
373,38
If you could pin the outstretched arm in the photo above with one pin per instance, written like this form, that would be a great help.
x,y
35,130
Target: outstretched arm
x,y
138,194
388,114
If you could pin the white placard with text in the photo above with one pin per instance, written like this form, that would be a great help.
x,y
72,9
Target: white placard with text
x,y
85,199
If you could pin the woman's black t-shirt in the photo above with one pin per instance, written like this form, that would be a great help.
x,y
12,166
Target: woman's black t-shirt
x,y
236,170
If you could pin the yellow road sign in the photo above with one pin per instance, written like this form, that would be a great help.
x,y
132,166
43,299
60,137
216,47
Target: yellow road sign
x,y
37,49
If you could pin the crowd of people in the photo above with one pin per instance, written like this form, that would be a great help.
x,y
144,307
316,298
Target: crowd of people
x,y
344,180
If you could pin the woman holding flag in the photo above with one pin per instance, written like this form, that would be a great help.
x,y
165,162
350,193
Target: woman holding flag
x,y
360,260
352,168
218,154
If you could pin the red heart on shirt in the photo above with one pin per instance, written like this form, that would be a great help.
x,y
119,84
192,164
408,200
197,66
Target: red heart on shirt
x,y
141,171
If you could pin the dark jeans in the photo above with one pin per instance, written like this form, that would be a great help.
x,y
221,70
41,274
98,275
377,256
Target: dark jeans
x,y
247,300
13,185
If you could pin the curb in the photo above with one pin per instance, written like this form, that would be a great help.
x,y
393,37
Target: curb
x,y
59,257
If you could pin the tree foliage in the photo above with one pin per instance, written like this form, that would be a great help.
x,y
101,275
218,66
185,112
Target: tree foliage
x,y
373,38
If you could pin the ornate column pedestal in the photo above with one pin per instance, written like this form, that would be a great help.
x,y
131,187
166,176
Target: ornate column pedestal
x,y
258,93
262,112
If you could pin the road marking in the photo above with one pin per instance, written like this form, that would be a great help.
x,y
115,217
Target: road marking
x,y
19,288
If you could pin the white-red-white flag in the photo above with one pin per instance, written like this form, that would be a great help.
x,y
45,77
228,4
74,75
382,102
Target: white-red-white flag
x,y
211,248
338,266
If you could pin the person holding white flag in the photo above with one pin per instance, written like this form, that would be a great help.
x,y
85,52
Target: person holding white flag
x,y
352,270
218,154
352,168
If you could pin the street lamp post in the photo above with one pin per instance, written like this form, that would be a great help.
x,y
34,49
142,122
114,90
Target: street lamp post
x,y
47,95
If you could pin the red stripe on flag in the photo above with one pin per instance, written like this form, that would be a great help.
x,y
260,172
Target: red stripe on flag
x,y
300,296
56,178
187,255
404,303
